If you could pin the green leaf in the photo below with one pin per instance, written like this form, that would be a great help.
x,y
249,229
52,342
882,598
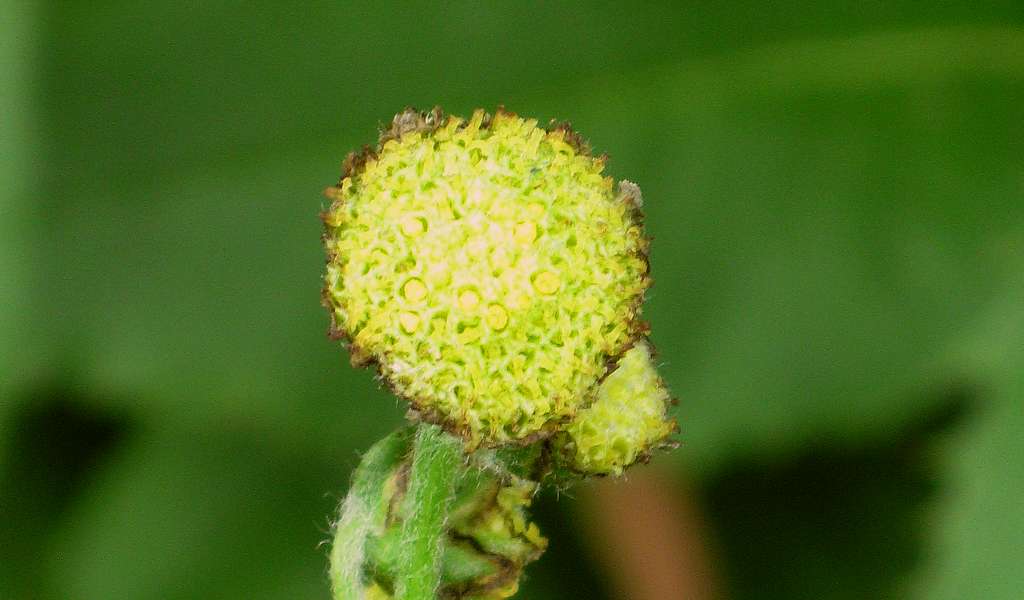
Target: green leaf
x,y
201,514
835,195
19,236
838,520
832,219
978,551
828,216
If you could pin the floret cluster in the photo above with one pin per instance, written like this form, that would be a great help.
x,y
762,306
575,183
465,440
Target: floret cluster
x,y
490,270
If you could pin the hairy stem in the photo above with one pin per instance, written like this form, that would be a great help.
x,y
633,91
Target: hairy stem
x,y
436,464
363,512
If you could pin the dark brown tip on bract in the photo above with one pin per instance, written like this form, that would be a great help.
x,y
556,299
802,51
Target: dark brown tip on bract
x,y
572,138
355,160
501,110
410,120
332,193
631,194
359,357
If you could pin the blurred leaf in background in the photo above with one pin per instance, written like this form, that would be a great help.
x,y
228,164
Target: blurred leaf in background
x,y
18,234
836,196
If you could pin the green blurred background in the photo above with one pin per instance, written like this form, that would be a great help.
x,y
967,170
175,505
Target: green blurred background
x,y
836,192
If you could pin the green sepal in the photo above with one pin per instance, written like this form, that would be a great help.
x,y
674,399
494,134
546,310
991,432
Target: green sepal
x,y
364,512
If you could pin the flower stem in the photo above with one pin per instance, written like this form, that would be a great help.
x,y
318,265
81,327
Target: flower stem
x,y
436,464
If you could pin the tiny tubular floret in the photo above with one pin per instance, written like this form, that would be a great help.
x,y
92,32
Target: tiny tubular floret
x,y
414,290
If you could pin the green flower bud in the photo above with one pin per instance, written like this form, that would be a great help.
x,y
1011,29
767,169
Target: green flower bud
x,y
488,543
488,268
627,421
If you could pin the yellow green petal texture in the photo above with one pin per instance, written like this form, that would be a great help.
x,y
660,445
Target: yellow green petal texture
x,y
627,420
489,269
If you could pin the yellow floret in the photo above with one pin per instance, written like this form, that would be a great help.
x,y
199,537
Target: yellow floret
x,y
547,282
627,420
488,267
497,317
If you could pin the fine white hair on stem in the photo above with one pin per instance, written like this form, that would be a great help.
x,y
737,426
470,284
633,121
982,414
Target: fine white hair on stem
x,y
350,532
363,512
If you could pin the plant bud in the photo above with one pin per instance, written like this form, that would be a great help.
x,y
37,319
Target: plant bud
x,y
488,543
625,423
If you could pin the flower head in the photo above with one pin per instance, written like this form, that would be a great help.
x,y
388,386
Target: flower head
x,y
626,421
488,267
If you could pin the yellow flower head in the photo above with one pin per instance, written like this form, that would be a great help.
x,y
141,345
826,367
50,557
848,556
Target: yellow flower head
x,y
627,420
489,269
